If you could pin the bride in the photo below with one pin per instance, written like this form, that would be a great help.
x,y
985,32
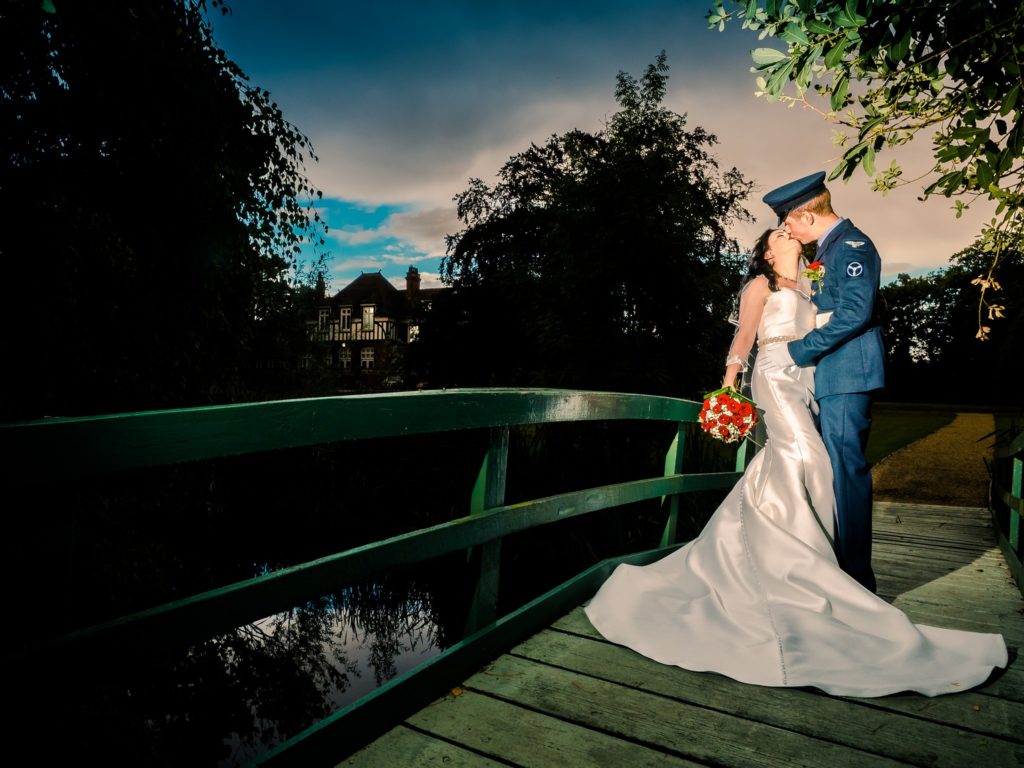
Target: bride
x,y
759,595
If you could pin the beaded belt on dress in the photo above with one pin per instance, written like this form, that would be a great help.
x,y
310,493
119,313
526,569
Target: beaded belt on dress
x,y
776,340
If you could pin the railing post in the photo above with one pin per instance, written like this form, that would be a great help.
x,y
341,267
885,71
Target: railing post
x,y
488,492
1015,484
673,466
741,455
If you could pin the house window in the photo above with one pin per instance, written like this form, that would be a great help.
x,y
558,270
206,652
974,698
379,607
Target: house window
x,y
324,317
306,362
368,312
366,357
346,318
345,358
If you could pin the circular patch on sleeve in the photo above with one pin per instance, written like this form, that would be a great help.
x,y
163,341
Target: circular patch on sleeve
x,y
855,269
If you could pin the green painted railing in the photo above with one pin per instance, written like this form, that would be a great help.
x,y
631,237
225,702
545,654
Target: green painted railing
x,y
88,446
1011,454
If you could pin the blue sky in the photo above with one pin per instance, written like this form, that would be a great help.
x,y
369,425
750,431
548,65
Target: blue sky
x,y
405,101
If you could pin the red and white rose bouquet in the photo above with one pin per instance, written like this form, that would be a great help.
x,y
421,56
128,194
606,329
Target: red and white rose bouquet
x,y
727,415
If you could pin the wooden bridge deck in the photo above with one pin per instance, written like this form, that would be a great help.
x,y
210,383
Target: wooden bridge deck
x,y
567,698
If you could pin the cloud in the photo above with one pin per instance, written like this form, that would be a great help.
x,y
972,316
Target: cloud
x,y
360,263
418,234
356,236
425,229
404,102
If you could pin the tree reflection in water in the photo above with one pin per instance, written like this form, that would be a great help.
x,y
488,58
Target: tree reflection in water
x,y
235,696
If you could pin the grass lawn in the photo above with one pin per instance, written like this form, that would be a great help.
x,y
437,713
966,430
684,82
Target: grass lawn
x,y
894,426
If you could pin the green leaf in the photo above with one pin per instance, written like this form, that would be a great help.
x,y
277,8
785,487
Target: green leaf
x,y
803,79
843,19
794,34
839,92
778,79
985,176
1010,100
869,161
765,57
851,11
1005,162
853,154
817,27
835,54
898,50
966,132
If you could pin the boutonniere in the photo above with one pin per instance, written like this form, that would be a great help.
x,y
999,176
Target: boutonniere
x,y
815,272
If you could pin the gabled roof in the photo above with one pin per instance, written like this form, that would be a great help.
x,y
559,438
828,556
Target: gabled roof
x,y
372,288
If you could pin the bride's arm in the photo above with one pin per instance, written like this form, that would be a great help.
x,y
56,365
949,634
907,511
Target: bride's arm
x,y
752,301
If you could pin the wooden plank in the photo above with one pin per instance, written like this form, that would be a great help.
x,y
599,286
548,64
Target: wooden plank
x,y
511,733
851,722
963,576
934,509
974,520
928,549
406,747
924,611
947,538
951,588
694,732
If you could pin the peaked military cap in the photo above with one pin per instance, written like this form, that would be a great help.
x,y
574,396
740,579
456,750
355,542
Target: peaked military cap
x,y
784,199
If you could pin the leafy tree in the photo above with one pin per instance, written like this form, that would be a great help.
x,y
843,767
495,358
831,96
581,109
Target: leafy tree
x,y
597,260
933,352
154,206
891,69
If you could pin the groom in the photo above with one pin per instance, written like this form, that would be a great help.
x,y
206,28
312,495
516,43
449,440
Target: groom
x,y
847,350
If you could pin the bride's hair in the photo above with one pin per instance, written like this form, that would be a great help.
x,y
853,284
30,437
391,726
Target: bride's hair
x,y
756,265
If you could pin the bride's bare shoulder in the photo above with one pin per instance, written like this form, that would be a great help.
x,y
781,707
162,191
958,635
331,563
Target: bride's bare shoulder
x,y
758,287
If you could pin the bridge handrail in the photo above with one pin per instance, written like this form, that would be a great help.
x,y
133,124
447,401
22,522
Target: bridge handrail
x,y
92,445
1010,539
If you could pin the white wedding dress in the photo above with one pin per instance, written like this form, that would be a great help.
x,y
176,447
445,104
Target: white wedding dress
x,y
759,595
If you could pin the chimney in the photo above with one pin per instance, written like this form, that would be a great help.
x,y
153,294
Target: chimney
x,y
412,281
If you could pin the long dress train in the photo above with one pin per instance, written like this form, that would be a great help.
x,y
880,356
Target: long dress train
x,y
759,595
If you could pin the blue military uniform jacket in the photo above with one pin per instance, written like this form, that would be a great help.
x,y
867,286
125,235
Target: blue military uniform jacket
x,y
848,349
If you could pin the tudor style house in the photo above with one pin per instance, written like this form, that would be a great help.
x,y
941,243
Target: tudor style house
x,y
367,324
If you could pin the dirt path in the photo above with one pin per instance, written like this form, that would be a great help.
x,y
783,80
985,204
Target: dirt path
x,y
945,467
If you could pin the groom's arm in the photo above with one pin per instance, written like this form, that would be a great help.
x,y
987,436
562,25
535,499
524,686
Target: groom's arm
x,y
856,271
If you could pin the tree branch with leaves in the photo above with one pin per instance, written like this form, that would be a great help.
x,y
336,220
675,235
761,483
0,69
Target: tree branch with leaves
x,y
884,71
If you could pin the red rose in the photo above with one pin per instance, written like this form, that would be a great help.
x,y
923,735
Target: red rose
x,y
723,431
814,265
725,419
717,409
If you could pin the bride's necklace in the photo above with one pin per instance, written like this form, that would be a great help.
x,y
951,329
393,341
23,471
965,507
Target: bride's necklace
x,y
785,277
